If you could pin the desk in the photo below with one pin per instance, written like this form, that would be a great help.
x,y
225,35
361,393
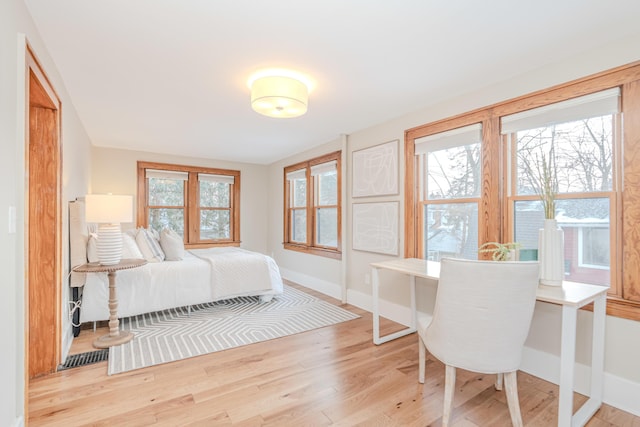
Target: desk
x,y
571,296
115,335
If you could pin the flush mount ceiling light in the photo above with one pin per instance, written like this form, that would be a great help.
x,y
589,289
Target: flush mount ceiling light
x,y
279,93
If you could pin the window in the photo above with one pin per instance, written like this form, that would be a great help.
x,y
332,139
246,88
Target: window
x,y
579,128
166,202
214,201
576,138
449,192
200,204
312,206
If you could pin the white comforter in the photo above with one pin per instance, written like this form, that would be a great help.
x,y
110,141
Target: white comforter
x,y
214,274
236,272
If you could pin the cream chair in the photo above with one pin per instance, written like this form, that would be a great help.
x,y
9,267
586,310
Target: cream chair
x,y
480,322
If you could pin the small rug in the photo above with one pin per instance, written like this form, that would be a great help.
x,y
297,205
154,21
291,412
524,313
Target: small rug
x,y
176,334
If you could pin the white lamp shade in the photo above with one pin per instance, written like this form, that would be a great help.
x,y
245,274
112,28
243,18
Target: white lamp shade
x,y
279,96
108,208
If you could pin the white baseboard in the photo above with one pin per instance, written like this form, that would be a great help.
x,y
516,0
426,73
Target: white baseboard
x,y
618,392
389,310
331,289
622,394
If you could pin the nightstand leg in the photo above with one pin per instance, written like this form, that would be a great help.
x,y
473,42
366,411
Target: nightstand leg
x,y
116,336
114,323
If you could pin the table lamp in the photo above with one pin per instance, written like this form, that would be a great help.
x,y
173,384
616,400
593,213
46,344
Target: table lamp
x,y
108,211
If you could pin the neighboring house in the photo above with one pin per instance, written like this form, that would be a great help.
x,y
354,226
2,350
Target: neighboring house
x,y
584,239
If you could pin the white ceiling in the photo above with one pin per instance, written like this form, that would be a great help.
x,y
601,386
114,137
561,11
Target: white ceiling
x,y
170,76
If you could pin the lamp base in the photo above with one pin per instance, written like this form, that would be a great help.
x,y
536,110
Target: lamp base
x,y
109,244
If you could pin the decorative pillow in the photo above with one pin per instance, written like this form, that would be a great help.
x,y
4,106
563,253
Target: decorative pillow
x,y
172,245
131,232
130,248
155,233
92,251
149,246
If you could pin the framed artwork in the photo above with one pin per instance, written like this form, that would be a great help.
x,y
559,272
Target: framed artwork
x,y
375,227
375,170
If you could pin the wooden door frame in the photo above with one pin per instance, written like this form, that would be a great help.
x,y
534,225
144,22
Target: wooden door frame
x,y
43,96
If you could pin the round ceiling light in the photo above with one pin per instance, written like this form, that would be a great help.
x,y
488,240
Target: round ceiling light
x,y
279,94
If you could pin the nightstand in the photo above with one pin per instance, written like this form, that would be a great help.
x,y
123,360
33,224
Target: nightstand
x,y
115,335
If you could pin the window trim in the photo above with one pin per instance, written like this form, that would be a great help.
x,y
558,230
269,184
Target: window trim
x,y
192,210
493,219
310,246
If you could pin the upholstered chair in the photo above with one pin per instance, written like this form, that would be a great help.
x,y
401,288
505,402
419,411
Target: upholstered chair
x,y
480,322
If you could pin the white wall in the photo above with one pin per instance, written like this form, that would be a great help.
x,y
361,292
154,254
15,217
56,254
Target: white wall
x,y
15,24
114,171
622,339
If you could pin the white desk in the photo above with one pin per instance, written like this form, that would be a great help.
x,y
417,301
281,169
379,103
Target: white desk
x,y
571,296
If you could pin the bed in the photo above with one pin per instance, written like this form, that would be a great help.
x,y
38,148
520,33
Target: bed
x,y
201,276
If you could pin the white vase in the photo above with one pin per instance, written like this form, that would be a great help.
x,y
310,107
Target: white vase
x,y
551,253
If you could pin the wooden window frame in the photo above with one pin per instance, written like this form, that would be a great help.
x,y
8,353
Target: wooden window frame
x,y
192,208
311,247
423,203
624,296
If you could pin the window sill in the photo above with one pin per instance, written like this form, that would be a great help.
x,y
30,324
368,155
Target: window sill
x,y
327,253
622,308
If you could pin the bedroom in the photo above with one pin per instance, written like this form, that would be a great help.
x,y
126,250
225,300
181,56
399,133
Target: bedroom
x,y
105,169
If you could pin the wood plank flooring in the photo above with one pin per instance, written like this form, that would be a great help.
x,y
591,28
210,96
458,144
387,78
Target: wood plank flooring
x,y
333,376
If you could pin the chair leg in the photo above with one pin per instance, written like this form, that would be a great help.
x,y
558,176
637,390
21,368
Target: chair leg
x,y
422,360
511,385
449,389
498,384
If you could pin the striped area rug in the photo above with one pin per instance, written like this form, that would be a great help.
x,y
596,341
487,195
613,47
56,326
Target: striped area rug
x,y
175,334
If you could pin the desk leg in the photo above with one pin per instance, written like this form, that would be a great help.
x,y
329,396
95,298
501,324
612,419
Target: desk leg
x,y
594,402
375,283
414,310
597,351
567,361
115,336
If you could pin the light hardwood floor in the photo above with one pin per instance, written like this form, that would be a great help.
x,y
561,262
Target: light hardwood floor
x,y
333,376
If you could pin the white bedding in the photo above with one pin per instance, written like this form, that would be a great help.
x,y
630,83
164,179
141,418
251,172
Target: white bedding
x,y
162,285
168,284
237,272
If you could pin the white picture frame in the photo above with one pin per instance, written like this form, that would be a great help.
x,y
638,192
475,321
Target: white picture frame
x,y
375,227
375,170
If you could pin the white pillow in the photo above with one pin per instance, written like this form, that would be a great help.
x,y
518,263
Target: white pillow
x,y
130,248
92,251
149,246
172,245
131,232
